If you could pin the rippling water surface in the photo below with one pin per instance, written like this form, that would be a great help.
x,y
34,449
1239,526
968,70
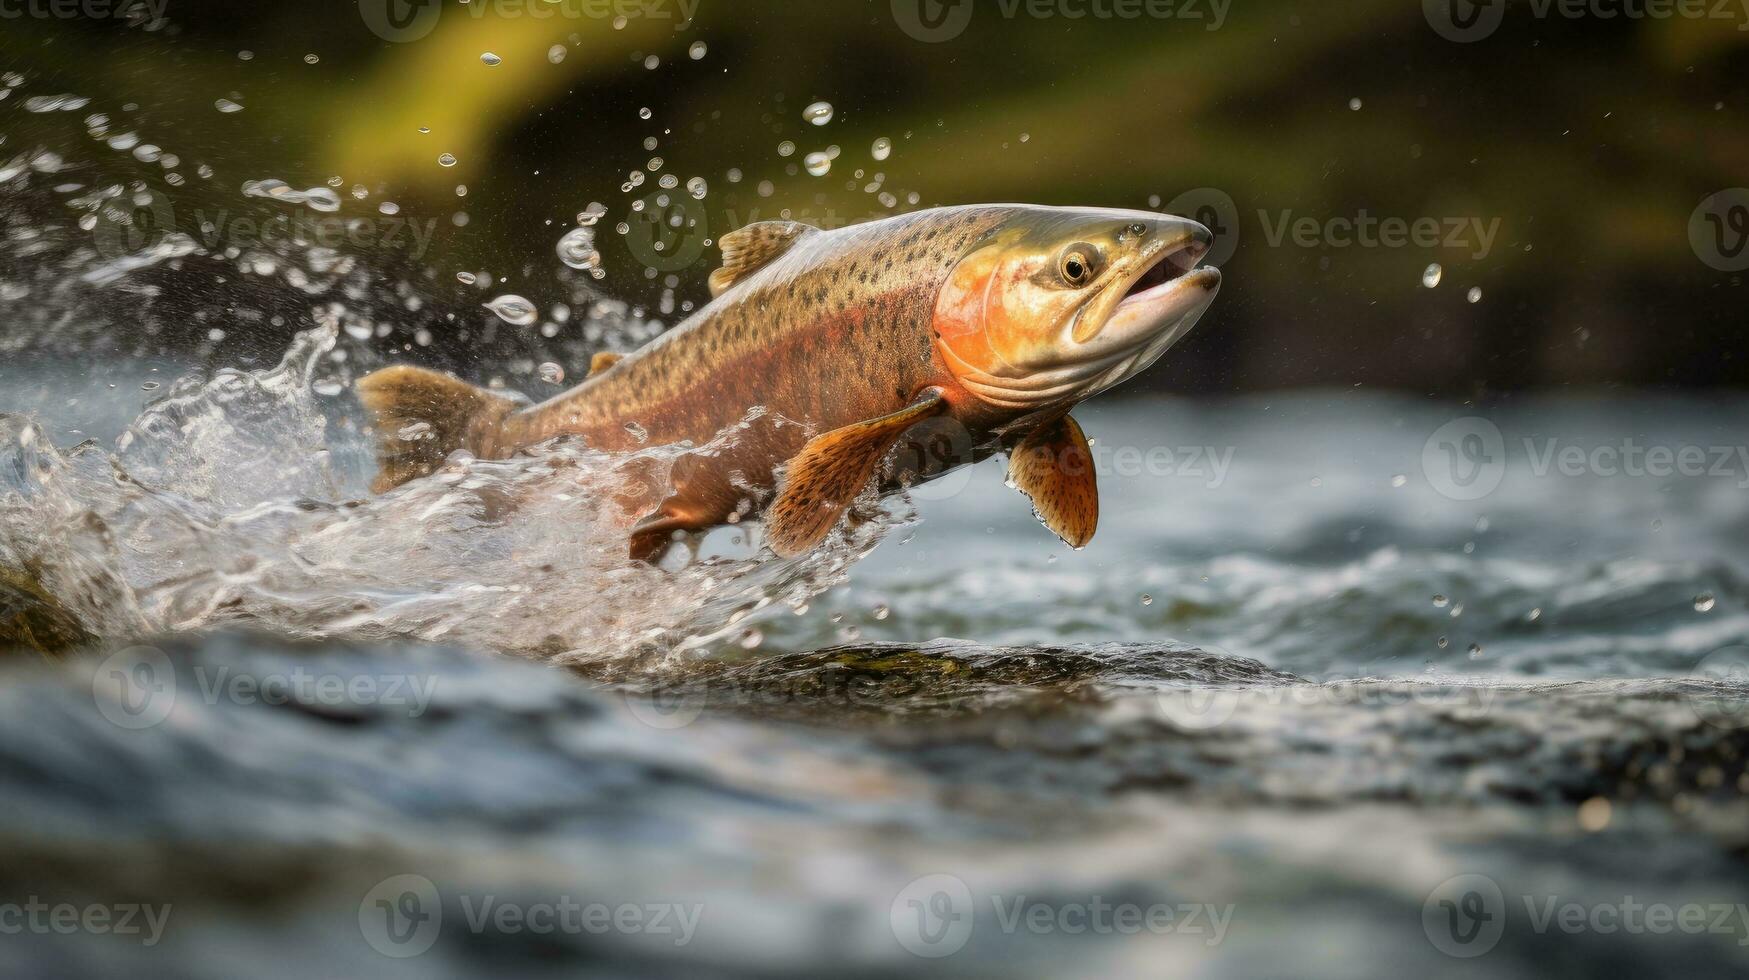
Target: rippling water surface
x,y
1348,682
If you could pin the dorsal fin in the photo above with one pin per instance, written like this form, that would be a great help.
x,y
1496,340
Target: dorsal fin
x,y
747,250
602,361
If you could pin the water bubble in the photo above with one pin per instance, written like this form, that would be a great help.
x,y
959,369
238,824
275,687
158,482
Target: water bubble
x,y
1431,276
734,175
552,373
514,310
590,215
1440,601
645,113
881,149
697,188
786,148
226,105
882,611
652,63
577,248
1704,602
389,207
1475,294
150,386
1443,643
466,278
818,164
751,638
490,60
446,159
311,59
1475,651
818,113
697,51
1147,600
669,182
556,53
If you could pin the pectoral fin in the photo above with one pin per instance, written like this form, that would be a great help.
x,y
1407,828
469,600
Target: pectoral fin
x,y
1053,466
602,361
831,470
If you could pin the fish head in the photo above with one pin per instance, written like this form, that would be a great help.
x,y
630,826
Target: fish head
x,y
1055,305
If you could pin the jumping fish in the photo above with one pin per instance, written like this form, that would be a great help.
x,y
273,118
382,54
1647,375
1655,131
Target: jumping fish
x,y
869,348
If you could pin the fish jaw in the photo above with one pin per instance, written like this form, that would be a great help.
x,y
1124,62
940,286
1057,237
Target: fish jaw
x,y
1017,340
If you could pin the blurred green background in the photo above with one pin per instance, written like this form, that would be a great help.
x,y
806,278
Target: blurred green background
x,y
1586,143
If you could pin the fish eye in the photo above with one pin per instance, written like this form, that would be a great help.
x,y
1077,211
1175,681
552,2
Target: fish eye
x,y
1078,264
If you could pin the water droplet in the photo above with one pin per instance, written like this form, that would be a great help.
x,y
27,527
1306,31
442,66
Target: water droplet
x,y
1440,601
785,148
818,113
577,248
645,113
226,105
1475,651
638,432
1475,294
490,60
751,638
1534,614
697,51
311,59
552,373
882,612
328,389
1398,480
1704,602
1147,600
514,310
150,386
818,164
1431,276
1443,643
446,159
697,188
466,278
590,215
556,53
415,432
389,207
1354,104
881,149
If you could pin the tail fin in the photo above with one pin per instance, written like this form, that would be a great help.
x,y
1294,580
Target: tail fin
x,y
422,416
